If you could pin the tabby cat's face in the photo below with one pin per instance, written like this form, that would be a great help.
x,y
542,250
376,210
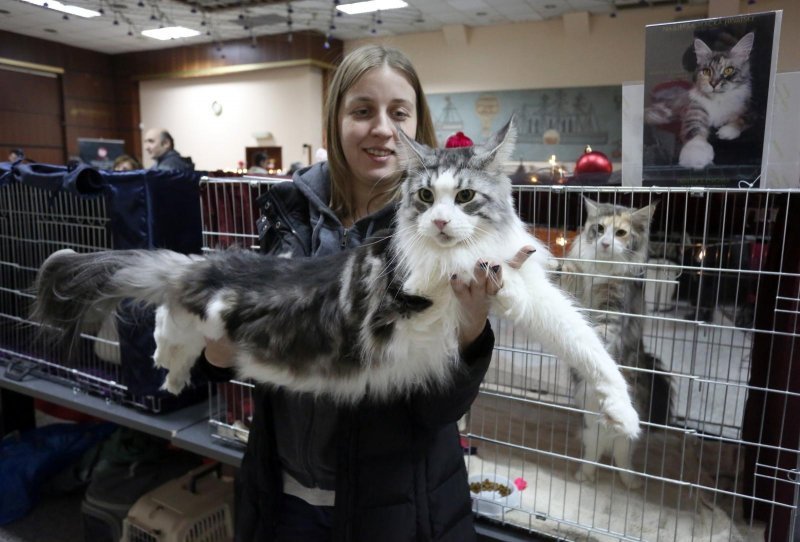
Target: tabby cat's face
x,y
454,196
719,72
615,234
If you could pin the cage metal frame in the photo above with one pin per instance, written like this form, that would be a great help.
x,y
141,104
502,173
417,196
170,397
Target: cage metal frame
x,y
697,381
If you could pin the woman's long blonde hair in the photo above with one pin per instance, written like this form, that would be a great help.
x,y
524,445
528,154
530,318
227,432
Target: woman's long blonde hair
x,y
352,68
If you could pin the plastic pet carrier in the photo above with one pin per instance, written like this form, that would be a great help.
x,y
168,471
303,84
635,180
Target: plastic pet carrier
x,y
195,507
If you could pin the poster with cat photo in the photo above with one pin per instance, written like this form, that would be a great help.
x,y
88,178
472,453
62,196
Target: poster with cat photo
x,y
707,100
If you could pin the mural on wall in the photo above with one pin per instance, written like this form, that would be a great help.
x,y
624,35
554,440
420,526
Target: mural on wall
x,y
560,121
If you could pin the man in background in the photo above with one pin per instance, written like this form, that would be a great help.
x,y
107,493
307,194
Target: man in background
x,y
158,143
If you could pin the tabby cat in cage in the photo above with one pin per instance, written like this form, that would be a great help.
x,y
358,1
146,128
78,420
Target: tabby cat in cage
x,y
380,320
719,100
602,269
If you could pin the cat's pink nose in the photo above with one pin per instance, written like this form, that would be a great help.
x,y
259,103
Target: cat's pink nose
x,y
605,244
441,224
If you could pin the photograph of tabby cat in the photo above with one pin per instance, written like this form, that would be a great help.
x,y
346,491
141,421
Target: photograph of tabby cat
x,y
706,94
380,320
601,270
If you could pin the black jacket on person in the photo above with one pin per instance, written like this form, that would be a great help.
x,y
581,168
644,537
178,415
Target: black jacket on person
x,y
400,471
171,160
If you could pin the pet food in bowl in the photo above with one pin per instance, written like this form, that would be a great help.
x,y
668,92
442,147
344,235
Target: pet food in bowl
x,y
491,493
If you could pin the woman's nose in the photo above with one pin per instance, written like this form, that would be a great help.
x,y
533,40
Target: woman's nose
x,y
383,126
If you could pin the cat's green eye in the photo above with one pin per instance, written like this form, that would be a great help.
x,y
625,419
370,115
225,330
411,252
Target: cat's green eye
x,y
463,196
425,195
727,72
706,72
620,233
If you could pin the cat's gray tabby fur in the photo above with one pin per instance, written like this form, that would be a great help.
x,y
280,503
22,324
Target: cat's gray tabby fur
x,y
602,270
381,320
718,100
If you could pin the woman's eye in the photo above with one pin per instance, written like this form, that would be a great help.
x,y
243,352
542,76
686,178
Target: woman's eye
x,y
600,229
425,195
401,115
620,233
463,196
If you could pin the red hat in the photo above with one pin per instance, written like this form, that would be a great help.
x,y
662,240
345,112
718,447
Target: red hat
x,y
458,140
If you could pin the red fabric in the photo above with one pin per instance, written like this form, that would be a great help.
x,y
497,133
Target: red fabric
x,y
458,140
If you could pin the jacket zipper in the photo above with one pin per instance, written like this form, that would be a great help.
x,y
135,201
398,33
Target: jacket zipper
x,y
344,238
282,216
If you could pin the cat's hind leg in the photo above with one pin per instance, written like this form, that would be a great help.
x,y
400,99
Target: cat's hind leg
x,y
178,345
622,450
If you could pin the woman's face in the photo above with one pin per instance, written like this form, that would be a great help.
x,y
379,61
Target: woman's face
x,y
370,111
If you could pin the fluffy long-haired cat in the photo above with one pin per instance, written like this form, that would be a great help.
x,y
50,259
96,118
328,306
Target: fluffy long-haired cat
x,y
719,99
603,267
380,320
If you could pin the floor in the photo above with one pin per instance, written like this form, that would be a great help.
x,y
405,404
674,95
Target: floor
x,y
55,519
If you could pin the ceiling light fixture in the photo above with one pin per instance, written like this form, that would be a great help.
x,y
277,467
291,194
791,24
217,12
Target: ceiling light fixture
x,y
371,5
170,32
64,8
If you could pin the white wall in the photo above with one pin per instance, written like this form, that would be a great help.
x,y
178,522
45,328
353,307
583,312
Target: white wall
x,y
284,101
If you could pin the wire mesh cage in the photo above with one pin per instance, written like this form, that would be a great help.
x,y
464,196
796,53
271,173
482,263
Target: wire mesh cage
x,y
230,213
37,220
715,321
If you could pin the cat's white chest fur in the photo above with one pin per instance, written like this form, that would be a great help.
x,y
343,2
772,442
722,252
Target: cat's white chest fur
x,y
724,107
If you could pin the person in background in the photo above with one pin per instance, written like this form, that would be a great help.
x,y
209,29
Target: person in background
x,y
259,163
379,470
124,162
16,154
161,147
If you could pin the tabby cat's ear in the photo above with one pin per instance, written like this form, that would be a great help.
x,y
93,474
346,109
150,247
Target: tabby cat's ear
x,y
702,51
644,216
591,206
410,153
741,51
497,150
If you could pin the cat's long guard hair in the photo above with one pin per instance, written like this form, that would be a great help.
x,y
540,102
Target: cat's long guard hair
x,y
380,320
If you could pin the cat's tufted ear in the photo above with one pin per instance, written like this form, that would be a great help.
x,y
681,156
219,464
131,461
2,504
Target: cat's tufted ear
x,y
702,51
591,206
498,148
410,153
741,51
644,216
503,142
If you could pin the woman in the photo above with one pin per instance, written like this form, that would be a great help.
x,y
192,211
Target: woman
x,y
376,471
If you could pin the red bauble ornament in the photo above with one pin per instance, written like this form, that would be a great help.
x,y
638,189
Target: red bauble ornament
x,y
458,140
593,162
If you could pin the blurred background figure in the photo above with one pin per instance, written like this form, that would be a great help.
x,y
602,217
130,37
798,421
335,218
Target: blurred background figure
x,y
160,145
16,154
126,163
259,163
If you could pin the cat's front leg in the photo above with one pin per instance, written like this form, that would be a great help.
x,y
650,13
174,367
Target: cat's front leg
x,y
696,153
533,302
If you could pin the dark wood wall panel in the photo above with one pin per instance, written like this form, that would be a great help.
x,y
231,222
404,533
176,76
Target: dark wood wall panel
x,y
98,94
25,129
23,92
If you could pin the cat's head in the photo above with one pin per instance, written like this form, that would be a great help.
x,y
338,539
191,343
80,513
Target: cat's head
x,y
613,233
451,197
719,72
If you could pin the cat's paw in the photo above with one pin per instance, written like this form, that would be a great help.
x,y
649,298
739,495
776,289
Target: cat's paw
x,y
586,473
729,131
631,480
697,153
620,416
175,383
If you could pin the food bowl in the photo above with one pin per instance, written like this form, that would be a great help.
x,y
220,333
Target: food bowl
x,y
495,493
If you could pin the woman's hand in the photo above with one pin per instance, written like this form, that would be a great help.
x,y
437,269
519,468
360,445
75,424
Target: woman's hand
x,y
221,352
475,295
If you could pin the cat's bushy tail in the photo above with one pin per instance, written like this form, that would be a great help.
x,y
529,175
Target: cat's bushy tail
x,y
71,287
